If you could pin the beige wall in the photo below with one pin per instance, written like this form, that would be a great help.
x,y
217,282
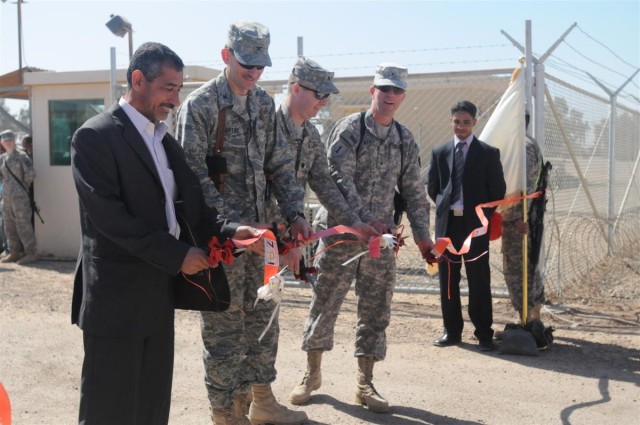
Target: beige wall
x,y
55,192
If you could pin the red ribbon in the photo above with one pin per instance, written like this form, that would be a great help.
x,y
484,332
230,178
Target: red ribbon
x,y
220,252
443,244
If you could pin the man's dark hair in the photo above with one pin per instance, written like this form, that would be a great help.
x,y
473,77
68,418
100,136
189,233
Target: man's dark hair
x,y
464,106
150,57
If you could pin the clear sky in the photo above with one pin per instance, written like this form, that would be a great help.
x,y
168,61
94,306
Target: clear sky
x,y
348,37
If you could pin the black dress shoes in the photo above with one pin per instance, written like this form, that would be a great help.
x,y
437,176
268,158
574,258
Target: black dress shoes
x,y
447,340
486,345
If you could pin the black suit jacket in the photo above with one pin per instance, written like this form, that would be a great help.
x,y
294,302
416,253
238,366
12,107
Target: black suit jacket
x,y
128,260
483,181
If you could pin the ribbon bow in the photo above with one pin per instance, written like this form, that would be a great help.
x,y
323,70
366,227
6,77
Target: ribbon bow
x,y
220,252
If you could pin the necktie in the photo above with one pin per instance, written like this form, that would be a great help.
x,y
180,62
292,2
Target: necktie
x,y
458,171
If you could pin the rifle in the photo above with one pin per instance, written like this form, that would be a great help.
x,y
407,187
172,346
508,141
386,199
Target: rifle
x,y
32,202
536,214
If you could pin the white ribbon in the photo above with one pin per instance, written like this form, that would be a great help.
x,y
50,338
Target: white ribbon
x,y
387,241
271,291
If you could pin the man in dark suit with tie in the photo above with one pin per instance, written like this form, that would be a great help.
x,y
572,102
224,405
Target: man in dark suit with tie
x,y
128,173
465,172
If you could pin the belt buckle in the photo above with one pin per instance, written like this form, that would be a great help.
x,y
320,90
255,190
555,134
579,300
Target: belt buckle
x,y
457,213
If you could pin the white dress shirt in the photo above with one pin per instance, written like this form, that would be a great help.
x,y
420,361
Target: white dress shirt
x,y
152,134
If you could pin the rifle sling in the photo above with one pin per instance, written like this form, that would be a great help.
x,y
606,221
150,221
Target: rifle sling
x,y
362,131
22,185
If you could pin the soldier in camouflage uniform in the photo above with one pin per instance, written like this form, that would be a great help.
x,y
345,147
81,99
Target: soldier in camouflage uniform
x,y
513,228
367,169
235,361
16,209
310,86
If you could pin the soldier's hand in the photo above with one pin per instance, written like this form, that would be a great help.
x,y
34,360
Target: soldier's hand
x,y
301,227
195,261
292,260
378,226
426,246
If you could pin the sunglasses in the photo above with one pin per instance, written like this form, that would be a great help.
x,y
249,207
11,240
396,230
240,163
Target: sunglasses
x,y
318,95
258,67
387,89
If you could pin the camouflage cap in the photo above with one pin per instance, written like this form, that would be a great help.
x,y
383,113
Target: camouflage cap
x,y
391,74
7,135
250,43
313,76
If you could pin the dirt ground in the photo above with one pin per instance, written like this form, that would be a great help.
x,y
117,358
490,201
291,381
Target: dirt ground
x,y
590,375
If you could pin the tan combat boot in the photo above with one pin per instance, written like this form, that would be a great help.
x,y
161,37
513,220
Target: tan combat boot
x,y
367,394
266,410
12,257
311,381
241,407
223,417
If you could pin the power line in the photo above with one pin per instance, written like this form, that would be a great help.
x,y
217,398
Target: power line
x,y
605,46
434,49
594,62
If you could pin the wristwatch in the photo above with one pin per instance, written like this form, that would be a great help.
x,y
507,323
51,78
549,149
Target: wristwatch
x,y
293,217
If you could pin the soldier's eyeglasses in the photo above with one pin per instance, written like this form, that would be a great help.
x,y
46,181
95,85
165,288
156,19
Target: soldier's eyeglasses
x,y
318,95
258,67
387,89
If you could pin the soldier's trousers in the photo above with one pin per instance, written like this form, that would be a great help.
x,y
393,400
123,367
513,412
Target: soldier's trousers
x,y
374,285
233,357
512,266
16,213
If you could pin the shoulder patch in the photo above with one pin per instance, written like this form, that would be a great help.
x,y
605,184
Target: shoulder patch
x,y
339,148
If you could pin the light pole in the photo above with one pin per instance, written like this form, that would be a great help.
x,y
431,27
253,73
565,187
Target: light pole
x,y
120,26
19,3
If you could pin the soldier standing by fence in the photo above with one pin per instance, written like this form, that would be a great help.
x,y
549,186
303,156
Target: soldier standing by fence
x,y
513,229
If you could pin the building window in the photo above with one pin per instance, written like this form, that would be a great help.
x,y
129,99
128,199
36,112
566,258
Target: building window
x,y
65,117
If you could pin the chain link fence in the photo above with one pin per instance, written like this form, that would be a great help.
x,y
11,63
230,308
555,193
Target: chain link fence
x,y
576,142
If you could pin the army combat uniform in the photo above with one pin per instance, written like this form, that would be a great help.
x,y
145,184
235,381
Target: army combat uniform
x,y
311,168
512,242
234,359
366,172
16,209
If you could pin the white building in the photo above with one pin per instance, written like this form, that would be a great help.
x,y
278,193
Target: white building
x,y
60,103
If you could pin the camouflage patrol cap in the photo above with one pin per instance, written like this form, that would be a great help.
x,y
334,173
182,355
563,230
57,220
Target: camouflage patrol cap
x,y
7,135
391,74
250,43
313,76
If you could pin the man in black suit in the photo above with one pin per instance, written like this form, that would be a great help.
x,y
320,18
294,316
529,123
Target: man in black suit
x,y
128,173
465,172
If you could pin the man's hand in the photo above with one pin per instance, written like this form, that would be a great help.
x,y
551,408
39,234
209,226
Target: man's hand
x,y
366,230
195,261
300,226
425,246
244,232
292,260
